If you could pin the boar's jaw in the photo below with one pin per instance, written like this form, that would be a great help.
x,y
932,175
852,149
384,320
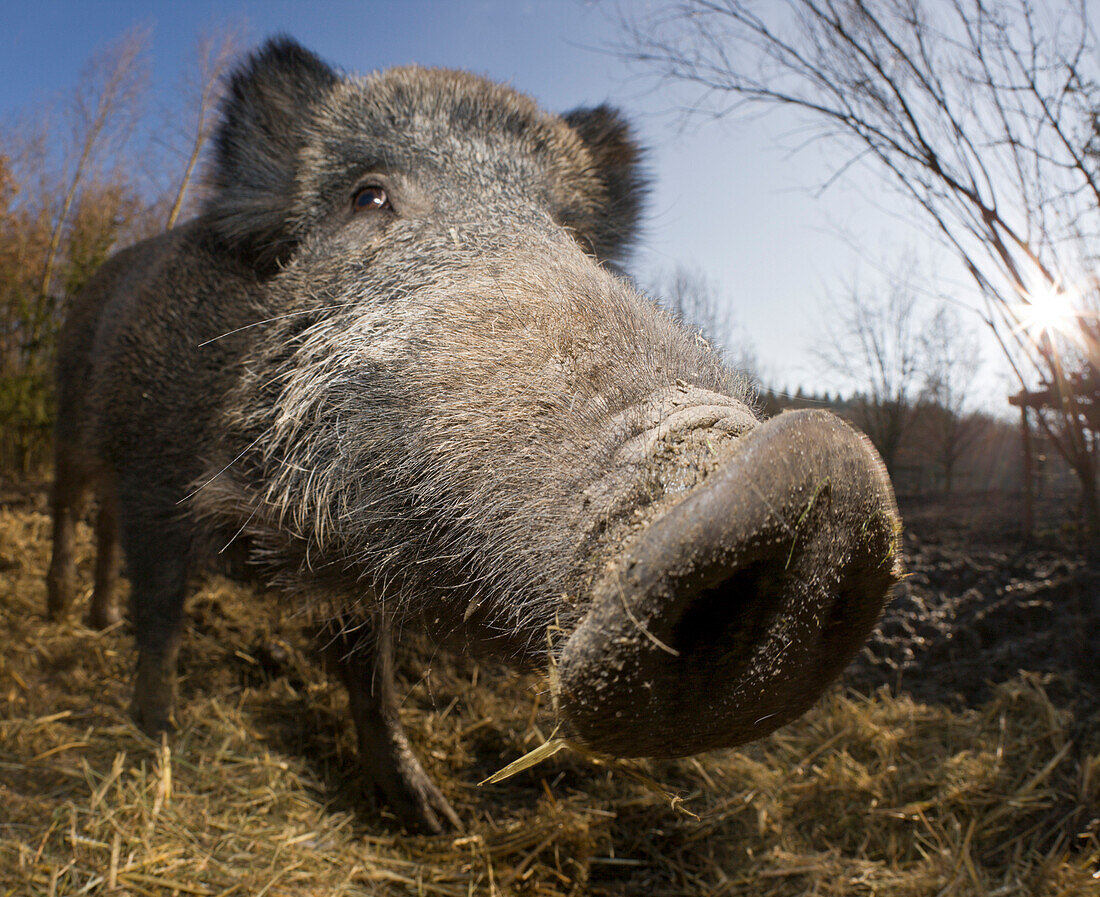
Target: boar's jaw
x,y
735,609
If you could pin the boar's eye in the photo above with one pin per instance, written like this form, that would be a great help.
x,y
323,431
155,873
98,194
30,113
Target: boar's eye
x,y
370,197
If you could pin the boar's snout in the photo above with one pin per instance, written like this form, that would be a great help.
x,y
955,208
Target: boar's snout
x,y
734,610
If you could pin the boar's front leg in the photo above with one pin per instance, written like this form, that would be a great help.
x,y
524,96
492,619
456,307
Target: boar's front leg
x,y
363,658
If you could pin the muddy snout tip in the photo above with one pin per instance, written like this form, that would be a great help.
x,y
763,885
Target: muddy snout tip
x,y
737,607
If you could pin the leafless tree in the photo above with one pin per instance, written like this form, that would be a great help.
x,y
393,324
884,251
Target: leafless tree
x,y
872,337
697,302
105,108
951,357
201,88
983,114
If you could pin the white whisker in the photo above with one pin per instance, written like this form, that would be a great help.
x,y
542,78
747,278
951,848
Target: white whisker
x,y
238,532
289,314
198,489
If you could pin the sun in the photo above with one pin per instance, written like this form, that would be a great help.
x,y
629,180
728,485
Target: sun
x,y
1048,308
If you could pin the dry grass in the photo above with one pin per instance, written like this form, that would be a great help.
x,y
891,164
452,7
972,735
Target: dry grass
x,y
256,794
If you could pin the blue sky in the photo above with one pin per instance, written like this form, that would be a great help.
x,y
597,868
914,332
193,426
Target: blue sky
x,y
726,197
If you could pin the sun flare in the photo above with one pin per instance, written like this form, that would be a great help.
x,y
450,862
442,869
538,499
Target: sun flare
x,y
1048,308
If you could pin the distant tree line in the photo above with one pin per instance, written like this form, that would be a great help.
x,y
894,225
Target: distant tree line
x,y
912,370
988,459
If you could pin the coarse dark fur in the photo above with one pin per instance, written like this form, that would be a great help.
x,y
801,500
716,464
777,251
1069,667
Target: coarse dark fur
x,y
414,410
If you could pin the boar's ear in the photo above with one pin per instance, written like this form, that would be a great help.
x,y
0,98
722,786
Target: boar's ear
x,y
617,160
267,106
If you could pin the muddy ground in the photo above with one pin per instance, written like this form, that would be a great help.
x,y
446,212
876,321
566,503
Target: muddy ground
x,y
979,605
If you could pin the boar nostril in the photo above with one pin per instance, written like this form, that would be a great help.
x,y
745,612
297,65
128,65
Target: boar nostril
x,y
726,620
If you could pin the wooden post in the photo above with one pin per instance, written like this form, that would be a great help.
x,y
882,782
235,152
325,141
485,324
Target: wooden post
x,y
1029,497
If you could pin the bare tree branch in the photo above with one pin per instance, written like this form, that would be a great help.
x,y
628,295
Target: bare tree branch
x,y
104,107
984,115
697,302
872,337
213,55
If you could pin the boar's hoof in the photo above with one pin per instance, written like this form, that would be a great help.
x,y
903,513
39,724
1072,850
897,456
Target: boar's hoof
x,y
60,592
102,616
154,720
410,792
730,615
155,692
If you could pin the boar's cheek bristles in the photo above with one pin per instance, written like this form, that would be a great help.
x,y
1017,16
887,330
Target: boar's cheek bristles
x,y
439,439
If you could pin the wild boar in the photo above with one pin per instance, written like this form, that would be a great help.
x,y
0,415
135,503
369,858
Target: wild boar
x,y
393,354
